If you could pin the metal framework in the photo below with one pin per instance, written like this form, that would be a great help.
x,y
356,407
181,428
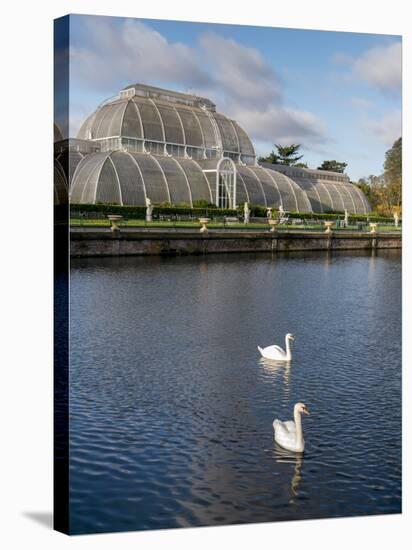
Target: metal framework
x,y
173,147
151,115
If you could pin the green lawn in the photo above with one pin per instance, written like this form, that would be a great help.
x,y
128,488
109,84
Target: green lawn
x,y
76,222
164,224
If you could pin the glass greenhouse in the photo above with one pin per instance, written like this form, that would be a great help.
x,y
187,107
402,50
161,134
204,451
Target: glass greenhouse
x,y
175,148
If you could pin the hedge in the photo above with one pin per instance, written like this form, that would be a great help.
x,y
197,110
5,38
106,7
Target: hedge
x,y
340,215
260,211
139,212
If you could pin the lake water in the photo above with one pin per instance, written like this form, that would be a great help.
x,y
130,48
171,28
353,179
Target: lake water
x,y
171,410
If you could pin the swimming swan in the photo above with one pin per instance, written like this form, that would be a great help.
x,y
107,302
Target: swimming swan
x,y
276,353
289,434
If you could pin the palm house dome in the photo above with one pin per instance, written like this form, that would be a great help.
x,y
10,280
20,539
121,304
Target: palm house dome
x,y
175,148
144,118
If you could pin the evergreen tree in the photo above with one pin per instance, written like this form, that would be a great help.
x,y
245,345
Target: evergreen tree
x,y
284,155
272,158
287,155
333,166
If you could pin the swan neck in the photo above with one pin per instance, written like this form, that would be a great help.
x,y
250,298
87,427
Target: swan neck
x,y
299,430
288,350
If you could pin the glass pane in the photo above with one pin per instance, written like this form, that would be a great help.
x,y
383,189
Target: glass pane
x,y
178,186
131,182
131,122
254,188
172,125
191,126
153,178
246,146
108,186
227,132
269,187
207,129
84,182
152,127
197,180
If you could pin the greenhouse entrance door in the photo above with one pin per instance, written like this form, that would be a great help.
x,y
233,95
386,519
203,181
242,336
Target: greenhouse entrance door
x,y
226,184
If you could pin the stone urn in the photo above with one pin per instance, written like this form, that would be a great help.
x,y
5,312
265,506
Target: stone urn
x,y
273,223
328,226
203,222
373,227
114,219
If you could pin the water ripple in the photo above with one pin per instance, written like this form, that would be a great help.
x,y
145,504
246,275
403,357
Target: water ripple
x,y
171,410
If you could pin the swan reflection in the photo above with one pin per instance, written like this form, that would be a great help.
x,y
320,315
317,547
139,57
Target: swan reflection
x,y
282,456
270,367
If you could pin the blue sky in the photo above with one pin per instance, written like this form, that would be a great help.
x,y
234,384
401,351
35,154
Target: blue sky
x,y
337,94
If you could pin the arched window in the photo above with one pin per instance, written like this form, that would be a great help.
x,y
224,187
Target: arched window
x,y
226,184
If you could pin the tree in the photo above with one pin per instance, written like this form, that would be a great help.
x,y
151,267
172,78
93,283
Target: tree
x,y
284,155
333,166
384,192
373,188
393,175
287,155
272,158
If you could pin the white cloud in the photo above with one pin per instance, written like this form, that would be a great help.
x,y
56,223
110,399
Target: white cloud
x,y
236,77
361,103
240,74
247,88
132,53
381,67
386,129
282,125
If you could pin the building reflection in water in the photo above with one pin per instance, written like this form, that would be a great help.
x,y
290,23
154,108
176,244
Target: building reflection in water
x,y
328,259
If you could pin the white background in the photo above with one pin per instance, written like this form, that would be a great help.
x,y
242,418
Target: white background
x,y
26,271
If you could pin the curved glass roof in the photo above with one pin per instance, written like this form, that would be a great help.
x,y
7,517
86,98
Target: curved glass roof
x,y
168,146
326,191
156,120
60,187
120,177
125,178
277,189
69,159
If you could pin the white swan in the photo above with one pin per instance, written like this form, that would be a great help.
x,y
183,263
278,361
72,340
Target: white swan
x,y
276,353
289,435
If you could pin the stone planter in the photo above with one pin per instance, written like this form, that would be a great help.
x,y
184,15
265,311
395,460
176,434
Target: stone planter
x,y
273,223
114,219
328,226
203,222
373,227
